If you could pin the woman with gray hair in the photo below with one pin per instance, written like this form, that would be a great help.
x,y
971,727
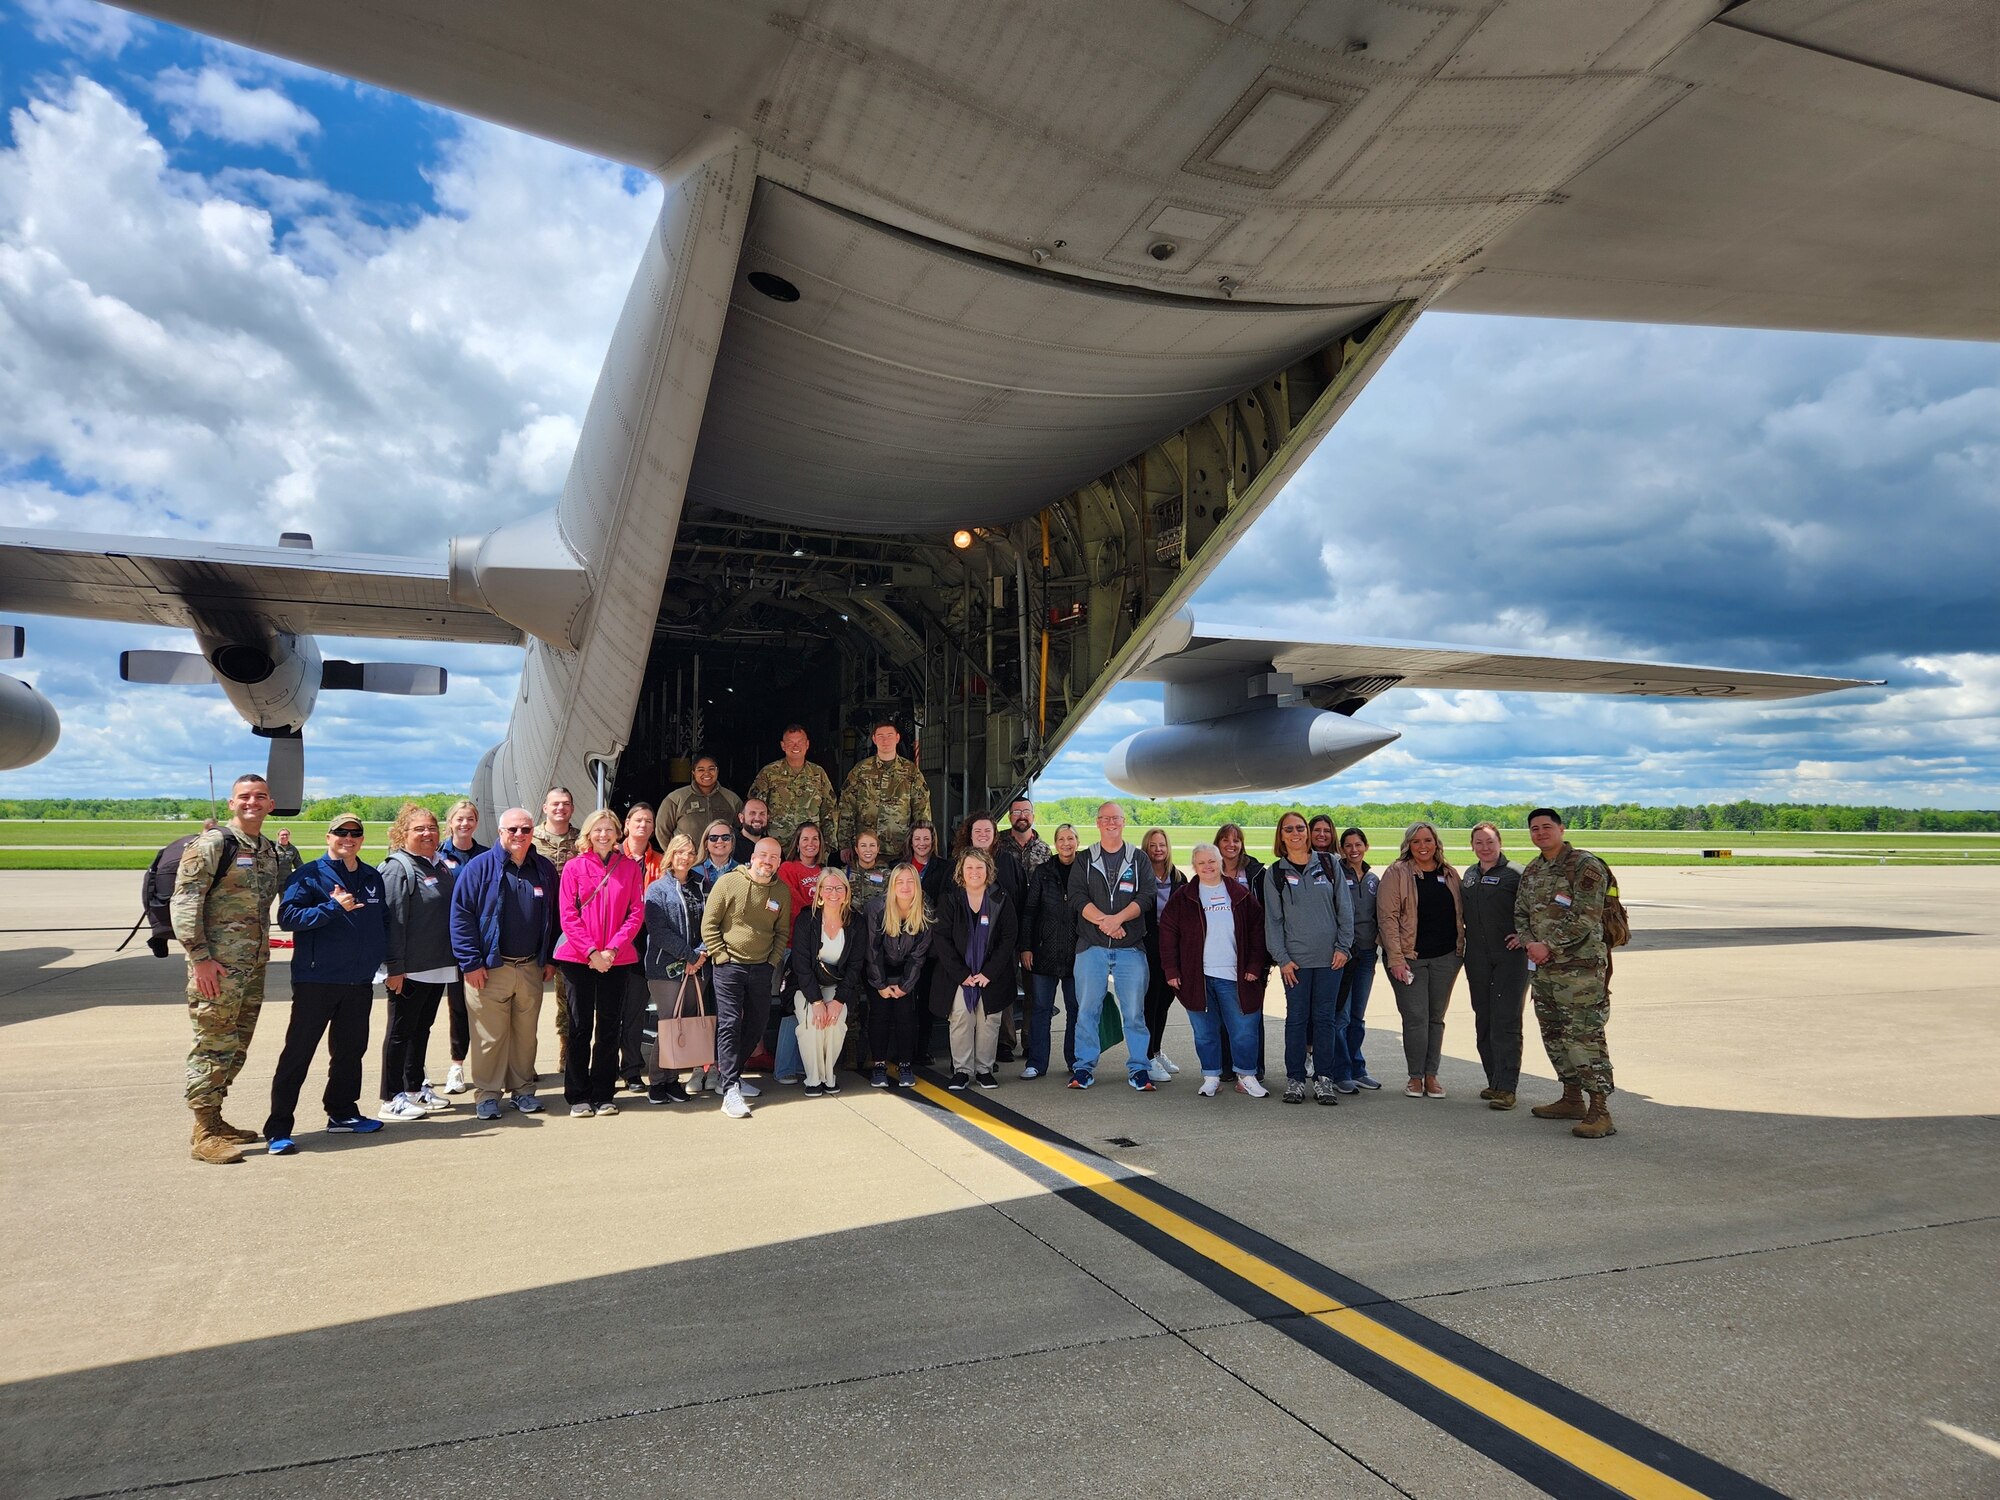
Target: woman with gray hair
x,y
1420,917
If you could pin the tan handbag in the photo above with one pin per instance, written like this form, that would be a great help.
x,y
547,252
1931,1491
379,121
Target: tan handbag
x,y
685,1041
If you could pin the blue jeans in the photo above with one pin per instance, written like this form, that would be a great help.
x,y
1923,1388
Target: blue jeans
x,y
1224,1013
1356,980
789,1063
1041,1016
1311,1008
1122,970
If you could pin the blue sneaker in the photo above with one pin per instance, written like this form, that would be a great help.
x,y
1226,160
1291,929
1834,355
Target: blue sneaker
x,y
527,1103
284,1145
1347,1085
353,1125
489,1109
1080,1078
1143,1082
1365,1082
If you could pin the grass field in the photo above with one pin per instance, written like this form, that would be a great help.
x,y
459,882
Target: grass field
x,y
88,845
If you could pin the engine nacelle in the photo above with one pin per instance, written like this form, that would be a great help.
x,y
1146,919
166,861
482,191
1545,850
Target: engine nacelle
x,y
1263,750
29,727
273,683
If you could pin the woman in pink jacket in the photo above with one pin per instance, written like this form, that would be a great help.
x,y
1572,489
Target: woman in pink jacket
x,y
602,908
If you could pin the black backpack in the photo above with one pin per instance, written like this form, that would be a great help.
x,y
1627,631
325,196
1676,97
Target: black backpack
x,y
156,889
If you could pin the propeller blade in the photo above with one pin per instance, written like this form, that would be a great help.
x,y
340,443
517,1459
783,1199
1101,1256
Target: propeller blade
x,y
406,679
165,668
286,771
13,641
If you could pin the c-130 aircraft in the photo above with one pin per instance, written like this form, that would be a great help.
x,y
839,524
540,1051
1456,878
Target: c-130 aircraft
x,y
972,333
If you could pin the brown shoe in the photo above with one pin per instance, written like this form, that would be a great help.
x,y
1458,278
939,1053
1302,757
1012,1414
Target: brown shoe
x,y
1500,1099
1487,1092
1596,1124
1569,1107
208,1143
234,1133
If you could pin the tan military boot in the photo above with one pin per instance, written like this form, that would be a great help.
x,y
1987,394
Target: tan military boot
x,y
234,1133
209,1144
1488,1092
1569,1107
1596,1124
1500,1099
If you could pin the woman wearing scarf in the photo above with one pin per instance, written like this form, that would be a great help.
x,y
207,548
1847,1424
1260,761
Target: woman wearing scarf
x,y
974,948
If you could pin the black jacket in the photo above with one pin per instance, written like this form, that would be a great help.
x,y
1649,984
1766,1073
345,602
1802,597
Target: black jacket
x,y
804,971
893,960
953,936
1048,924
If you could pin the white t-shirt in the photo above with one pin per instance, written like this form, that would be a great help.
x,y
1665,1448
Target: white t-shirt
x,y
1218,948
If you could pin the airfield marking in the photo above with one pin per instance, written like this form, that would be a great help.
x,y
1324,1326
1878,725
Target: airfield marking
x,y
1556,1439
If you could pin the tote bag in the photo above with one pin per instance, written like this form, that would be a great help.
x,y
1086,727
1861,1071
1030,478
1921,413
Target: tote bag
x,y
685,1041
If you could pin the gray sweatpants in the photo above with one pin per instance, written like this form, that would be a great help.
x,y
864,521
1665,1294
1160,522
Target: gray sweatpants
x,y
1422,1002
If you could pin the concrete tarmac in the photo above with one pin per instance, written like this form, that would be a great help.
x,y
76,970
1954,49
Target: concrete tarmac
x,y
1785,1259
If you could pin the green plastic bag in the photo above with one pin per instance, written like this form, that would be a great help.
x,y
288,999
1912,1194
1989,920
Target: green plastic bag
x,y
1110,1024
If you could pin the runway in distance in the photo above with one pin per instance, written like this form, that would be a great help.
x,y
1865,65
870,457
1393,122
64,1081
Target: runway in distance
x,y
971,336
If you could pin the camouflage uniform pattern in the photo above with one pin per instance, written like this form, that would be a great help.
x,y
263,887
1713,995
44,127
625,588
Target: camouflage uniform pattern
x,y
1032,855
885,798
795,797
232,925
559,849
1560,902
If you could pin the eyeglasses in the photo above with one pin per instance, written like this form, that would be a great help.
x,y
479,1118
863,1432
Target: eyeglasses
x,y
1295,828
519,828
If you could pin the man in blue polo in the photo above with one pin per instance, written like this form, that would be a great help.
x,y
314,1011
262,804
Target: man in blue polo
x,y
337,908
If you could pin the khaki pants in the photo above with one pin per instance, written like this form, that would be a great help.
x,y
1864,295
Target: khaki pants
x,y
505,1014
819,1047
975,1039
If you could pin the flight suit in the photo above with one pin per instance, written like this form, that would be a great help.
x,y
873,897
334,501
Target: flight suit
x,y
558,849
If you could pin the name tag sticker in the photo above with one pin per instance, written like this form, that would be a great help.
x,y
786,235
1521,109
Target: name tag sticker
x,y
1291,880
430,880
1489,880
538,890
1562,900
982,921
772,903
245,861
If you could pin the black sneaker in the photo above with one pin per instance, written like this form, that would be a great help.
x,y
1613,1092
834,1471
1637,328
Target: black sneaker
x,y
1006,1053
658,1094
986,1081
831,1086
814,1090
958,1082
879,1079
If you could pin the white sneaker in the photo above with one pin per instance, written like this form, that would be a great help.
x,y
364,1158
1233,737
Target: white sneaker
x,y
1246,1083
400,1108
1210,1082
750,1090
432,1102
1156,1070
1168,1063
734,1106
454,1081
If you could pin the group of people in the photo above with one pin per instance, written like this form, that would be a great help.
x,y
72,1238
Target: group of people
x,y
862,929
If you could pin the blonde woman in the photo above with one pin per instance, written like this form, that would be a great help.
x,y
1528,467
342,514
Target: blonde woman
x,y
458,846
828,958
1419,913
602,907
899,938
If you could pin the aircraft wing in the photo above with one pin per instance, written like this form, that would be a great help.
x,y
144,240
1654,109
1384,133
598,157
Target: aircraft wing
x,y
148,581
1343,675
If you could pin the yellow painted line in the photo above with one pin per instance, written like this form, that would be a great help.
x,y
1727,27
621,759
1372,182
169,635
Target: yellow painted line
x,y
1595,1457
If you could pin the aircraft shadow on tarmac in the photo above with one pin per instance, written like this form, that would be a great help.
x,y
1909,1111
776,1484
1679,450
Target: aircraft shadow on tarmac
x,y
36,985
1668,939
941,1322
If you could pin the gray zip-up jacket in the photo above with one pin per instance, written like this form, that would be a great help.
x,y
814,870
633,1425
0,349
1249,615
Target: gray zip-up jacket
x,y
1308,915
418,896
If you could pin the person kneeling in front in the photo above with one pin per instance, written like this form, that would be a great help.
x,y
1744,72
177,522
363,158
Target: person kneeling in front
x,y
337,907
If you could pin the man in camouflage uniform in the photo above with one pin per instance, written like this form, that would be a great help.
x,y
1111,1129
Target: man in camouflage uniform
x,y
1559,917
690,809
555,841
797,791
884,794
222,916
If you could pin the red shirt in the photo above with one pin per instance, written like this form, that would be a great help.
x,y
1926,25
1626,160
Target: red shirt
x,y
803,880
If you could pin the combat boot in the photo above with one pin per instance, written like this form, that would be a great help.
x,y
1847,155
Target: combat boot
x,y
1596,1124
234,1133
1501,1099
209,1144
1569,1107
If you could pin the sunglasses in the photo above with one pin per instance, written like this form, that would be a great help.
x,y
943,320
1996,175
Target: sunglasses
x,y
345,833
722,838
519,828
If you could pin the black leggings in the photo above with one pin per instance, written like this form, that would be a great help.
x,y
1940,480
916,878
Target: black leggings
x,y
461,1020
596,1021
892,1029
411,1016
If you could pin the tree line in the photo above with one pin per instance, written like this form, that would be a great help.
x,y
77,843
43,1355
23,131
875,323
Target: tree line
x,y
1741,816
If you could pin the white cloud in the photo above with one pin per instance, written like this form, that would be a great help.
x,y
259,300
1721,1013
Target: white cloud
x,y
215,102
80,24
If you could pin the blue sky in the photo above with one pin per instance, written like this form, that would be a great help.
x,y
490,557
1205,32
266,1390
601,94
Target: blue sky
x,y
239,297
